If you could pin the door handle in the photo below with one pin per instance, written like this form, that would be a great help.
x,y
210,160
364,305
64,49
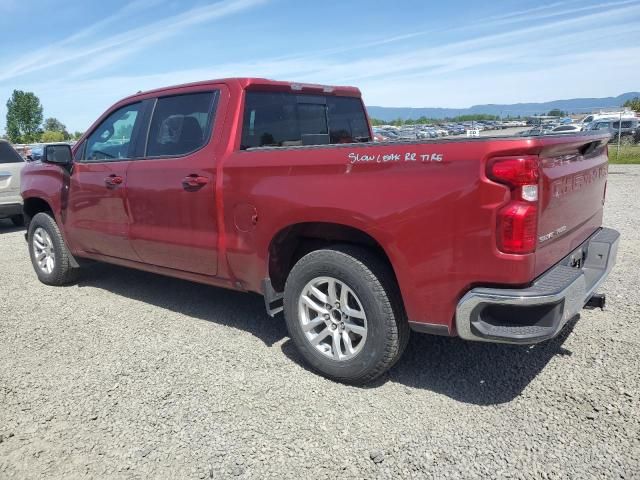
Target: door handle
x,y
194,181
113,180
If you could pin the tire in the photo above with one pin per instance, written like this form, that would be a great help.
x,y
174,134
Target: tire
x,y
59,270
373,319
18,220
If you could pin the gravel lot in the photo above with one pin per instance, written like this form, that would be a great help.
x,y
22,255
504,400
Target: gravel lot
x,y
132,375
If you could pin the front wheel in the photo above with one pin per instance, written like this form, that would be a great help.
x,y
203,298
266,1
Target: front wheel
x,y
344,314
49,255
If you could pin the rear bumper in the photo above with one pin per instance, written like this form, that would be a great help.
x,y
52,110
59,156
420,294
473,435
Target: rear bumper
x,y
10,209
540,311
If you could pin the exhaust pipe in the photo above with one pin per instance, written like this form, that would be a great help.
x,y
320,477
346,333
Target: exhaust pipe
x,y
597,300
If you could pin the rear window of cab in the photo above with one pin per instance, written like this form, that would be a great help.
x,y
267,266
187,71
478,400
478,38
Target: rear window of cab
x,y
281,119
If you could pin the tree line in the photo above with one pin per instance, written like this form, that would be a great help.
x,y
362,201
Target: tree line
x,y
633,104
476,117
26,123
398,122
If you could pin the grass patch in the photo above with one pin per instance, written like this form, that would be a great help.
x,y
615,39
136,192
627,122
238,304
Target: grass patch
x,y
628,154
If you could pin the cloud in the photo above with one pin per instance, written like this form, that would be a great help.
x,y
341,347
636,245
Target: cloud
x,y
505,50
75,47
529,15
589,53
564,78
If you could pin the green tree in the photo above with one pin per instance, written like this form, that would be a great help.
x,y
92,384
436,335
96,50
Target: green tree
x,y
55,125
556,112
76,135
49,136
24,116
633,104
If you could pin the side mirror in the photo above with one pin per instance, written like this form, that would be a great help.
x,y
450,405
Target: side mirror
x,y
60,154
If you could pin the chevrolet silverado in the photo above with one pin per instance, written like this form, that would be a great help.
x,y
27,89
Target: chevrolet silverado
x,y
276,188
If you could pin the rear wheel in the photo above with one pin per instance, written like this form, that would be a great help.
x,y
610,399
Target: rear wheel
x,y
344,314
49,255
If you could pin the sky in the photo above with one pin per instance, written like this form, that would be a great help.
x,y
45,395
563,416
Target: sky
x,y
80,57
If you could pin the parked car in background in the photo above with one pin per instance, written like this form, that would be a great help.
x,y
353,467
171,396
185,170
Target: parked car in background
x,y
407,134
596,117
377,137
627,129
11,164
384,135
36,152
539,130
566,129
23,150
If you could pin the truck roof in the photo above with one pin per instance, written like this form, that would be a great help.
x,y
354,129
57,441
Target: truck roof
x,y
249,83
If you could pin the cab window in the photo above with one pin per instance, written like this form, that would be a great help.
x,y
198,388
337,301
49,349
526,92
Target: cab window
x,y
282,119
111,140
181,124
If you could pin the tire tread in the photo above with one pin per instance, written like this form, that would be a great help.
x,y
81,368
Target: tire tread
x,y
381,281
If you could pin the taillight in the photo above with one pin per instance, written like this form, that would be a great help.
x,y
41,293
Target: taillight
x,y
517,227
516,172
517,221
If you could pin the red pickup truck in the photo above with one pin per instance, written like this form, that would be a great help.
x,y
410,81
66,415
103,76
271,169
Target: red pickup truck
x,y
276,188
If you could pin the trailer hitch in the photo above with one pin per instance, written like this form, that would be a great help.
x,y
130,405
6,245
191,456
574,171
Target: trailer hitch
x,y
597,300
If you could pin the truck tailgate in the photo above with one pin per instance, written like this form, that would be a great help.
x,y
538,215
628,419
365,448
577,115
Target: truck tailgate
x,y
573,185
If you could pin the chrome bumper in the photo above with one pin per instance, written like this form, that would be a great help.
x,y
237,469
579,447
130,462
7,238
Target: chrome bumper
x,y
539,312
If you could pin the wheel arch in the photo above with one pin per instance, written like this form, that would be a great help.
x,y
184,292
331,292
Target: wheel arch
x,y
294,241
35,205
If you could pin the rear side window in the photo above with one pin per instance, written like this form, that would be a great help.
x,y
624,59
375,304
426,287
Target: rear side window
x,y
181,124
280,119
8,154
348,121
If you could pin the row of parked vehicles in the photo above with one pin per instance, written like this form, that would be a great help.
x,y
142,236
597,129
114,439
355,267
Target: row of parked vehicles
x,y
628,129
421,131
33,151
624,124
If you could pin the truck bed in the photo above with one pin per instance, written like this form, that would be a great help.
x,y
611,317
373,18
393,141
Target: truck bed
x,y
429,203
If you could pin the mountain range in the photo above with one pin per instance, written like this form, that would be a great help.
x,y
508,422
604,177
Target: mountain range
x,y
574,105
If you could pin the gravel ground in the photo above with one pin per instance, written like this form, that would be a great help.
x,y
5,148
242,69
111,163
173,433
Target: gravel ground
x,y
131,375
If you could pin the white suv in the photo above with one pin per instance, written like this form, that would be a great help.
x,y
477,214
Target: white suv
x,y
10,200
